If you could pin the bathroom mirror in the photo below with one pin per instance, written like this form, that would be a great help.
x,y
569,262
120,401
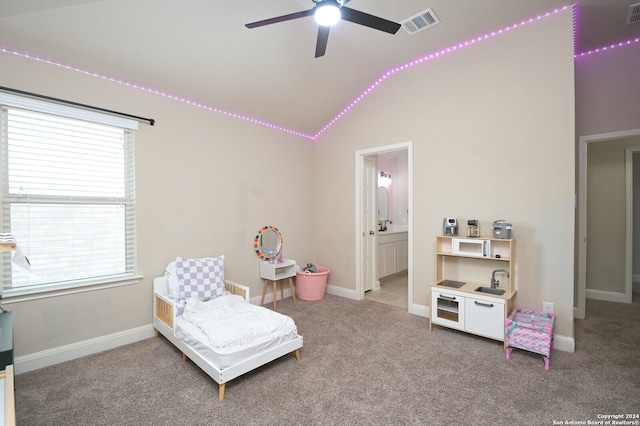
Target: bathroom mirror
x,y
383,204
268,243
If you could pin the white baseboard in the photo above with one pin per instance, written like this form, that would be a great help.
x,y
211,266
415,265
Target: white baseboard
x,y
607,296
420,310
336,291
564,343
60,354
342,292
268,297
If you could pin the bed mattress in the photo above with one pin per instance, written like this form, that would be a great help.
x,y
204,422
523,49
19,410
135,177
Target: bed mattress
x,y
222,358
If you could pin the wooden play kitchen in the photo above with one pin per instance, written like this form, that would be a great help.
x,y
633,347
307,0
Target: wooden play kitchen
x,y
463,296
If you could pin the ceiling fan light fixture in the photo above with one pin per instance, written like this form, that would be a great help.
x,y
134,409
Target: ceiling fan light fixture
x,y
328,13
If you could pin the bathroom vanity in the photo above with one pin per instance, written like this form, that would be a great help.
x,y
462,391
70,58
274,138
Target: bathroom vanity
x,y
462,296
393,252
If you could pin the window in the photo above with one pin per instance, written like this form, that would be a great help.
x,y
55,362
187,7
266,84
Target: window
x,y
68,196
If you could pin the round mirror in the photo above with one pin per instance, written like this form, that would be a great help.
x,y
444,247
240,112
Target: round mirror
x,y
268,243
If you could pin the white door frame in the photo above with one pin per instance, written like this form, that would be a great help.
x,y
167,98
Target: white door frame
x,y
579,311
629,222
359,158
368,256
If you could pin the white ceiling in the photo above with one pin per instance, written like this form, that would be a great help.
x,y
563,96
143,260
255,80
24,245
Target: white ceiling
x,y
201,50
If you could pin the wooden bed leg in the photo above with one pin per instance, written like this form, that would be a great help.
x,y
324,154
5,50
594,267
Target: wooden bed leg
x,y
221,392
297,354
184,357
157,333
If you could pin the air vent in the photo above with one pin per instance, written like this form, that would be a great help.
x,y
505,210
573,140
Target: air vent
x,y
633,17
421,21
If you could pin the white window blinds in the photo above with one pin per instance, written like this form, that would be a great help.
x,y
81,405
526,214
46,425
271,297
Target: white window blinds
x,y
68,198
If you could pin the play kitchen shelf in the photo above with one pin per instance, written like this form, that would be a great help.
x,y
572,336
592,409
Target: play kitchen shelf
x,y
461,296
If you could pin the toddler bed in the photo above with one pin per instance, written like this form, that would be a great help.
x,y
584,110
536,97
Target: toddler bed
x,y
212,322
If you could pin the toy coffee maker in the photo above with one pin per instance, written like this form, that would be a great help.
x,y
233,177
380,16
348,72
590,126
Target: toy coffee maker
x,y
473,231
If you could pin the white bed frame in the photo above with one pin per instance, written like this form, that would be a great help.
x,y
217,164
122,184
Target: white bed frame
x,y
164,319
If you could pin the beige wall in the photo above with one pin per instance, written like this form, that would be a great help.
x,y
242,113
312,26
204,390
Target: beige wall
x,y
607,92
205,185
492,128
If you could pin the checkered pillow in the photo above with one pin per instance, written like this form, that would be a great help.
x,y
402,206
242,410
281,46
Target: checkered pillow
x,y
200,278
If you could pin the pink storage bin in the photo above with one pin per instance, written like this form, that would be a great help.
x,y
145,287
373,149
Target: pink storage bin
x,y
531,331
312,285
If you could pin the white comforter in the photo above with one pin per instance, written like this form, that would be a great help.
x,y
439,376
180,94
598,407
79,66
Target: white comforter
x,y
230,320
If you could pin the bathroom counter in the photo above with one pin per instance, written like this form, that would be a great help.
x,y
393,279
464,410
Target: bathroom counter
x,y
395,229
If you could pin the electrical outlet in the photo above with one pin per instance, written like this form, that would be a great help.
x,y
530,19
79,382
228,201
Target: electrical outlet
x,y
547,307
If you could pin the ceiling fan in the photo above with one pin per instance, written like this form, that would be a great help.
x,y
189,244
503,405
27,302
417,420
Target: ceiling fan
x,y
328,13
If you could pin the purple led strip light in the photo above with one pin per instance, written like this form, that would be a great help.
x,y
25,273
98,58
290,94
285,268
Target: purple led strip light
x,y
613,46
158,92
353,103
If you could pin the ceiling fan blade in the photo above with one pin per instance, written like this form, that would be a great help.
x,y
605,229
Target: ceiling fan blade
x,y
323,37
370,21
282,18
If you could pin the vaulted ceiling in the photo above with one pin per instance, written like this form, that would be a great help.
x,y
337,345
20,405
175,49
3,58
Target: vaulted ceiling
x,y
201,50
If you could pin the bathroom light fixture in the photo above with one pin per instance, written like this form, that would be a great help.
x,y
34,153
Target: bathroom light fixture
x,y
327,14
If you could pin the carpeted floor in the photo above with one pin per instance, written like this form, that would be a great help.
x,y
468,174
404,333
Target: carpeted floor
x,y
363,363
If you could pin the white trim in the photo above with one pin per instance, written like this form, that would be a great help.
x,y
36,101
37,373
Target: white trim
x,y
579,311
421,311
76,350
343,292
607,296
564,343
42,291
66,111
331,289
628,273
268,297
359,293
359,160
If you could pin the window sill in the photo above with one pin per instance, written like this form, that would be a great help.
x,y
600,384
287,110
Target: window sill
x,y
24,294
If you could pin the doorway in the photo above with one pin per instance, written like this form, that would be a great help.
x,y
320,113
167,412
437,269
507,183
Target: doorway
x,y
587,246
367,229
